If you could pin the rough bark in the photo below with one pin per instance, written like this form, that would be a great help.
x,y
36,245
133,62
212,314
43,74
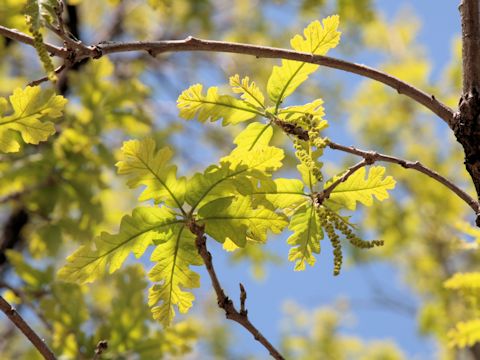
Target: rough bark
x,y
466,124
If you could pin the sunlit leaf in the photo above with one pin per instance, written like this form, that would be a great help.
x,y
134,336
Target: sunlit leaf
x,y
172,274
236,219
249,91
305,240
318,39
33,110
109,251
358,188
146,166
212,106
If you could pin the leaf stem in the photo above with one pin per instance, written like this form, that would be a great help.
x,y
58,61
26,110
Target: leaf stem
x,y
224,302
23,326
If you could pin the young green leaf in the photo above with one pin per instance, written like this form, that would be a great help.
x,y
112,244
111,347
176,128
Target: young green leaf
x,y
467,282
318,40
465,333
283,193
136,233
173,256
249,91
255,136
146,166
213,106
236,219
33,108
361,189
295,113
305,240
233,174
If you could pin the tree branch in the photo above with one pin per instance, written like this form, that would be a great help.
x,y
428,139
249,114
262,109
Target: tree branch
x,y
325,194
374,156
193,44
470,14
22,325
223,300
24,38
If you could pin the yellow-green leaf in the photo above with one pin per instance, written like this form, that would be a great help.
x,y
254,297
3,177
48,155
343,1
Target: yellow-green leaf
x,y
283,193
255,136
464,281
317,40
136,233
294,113
212,106
146,166
465,333
236,219
33,108
249,91
305,240
172,274
233,174
357,188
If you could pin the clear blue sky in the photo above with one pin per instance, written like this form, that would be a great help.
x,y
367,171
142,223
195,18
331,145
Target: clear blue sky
x,y
316,286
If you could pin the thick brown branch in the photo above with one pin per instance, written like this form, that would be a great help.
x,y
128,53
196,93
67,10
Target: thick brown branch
x,y
194,44
223,300
22,325
374,156
466,123
470,14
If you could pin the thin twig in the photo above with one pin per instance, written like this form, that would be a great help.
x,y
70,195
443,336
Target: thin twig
x,y
223,300
415,165
26,39
22,325
24,299
57,71
194,44
325,194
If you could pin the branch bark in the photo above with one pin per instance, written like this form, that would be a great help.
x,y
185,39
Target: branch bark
x,y
325,194
194,44
415,165
223,300
22,325
466,123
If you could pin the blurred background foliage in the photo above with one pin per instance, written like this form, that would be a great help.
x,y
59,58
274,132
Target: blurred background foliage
x,y
63,192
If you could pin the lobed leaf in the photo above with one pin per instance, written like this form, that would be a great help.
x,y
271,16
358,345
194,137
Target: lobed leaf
x,y
464,281
136,233
146,166
318,39
233,174
305,240
236,219
212,106
283,193
296,112
173,256
465,333
357,188
249,91
255,136
33,108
